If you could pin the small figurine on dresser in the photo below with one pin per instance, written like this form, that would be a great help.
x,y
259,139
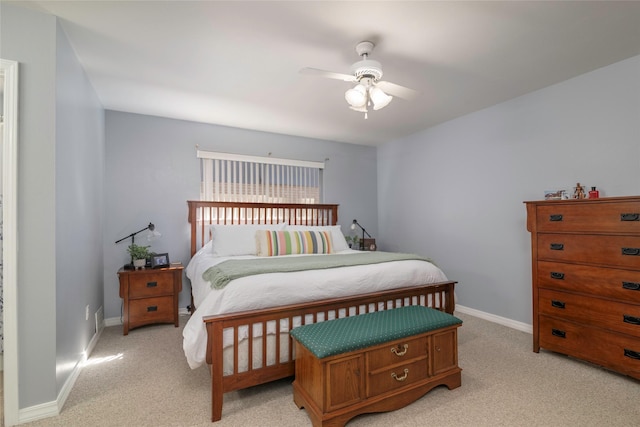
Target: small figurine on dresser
x,y
578,193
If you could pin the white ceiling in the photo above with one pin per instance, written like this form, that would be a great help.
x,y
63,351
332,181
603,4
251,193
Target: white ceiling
x,y
237,63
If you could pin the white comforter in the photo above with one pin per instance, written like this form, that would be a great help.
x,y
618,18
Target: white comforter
x,y
276,289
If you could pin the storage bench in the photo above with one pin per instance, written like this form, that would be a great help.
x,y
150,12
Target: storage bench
x,y
373,362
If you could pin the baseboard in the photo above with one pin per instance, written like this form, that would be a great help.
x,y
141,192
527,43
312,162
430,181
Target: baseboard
x,y
1,363
52,409
520,326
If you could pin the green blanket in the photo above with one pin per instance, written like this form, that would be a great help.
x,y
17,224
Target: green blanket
x,y
221,274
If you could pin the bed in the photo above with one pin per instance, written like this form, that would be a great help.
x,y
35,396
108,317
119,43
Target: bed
x,y
241,329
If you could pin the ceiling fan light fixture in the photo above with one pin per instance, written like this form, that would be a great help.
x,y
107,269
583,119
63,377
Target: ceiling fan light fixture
x,y
379,98
357,96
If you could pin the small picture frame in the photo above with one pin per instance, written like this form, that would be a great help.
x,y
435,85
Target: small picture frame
x,y
160,260
556,195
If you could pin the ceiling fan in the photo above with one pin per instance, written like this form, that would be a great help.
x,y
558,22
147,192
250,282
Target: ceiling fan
x,y
370,89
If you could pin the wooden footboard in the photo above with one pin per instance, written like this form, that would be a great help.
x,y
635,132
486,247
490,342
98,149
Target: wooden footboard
x,y
438,295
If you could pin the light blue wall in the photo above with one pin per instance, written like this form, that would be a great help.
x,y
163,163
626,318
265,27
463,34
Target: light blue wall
x,y
60,157
152,170
30,38
461,184
79,191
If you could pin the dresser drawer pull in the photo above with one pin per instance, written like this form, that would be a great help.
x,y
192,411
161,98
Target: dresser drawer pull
x,y
631,251
632,354
631,319
555,217
152,308
402,378
400,350
558,276
557,246
152,284
557,304
632,286
558,333
629,217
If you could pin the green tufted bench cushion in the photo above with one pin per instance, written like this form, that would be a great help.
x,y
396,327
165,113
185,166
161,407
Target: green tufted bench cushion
x,y
347,334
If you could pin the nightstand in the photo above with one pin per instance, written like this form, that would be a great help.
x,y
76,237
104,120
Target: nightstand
x,y
150,296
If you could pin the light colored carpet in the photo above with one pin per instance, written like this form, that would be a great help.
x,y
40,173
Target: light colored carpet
x,y
143,380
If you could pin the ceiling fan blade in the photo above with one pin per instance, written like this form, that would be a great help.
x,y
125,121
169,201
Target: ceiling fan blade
x,y
328,74
397,90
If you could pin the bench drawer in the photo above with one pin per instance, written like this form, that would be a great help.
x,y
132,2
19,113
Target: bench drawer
x,y
397,352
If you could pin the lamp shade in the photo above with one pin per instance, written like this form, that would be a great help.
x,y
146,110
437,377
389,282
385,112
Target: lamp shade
x,y
379,98
357,96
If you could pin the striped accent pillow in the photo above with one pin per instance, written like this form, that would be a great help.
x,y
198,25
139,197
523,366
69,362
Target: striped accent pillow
x,y
275,243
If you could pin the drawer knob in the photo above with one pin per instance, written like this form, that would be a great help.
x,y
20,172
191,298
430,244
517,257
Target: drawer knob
x,y
631,319
152,308
631,286
152,284
557,304
631,251
402,378
556,246
556,275
629,217
555,217
400,350
632,354
558,333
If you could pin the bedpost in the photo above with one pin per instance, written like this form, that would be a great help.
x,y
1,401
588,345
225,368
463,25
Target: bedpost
x,y
214,335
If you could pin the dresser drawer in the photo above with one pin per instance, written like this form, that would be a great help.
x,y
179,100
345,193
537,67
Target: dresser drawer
x,y
612,350
396,352
150,284
151,310
612,283
621,217
615,251
592,311
399,376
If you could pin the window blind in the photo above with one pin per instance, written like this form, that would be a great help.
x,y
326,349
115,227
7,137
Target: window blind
x,y
237,178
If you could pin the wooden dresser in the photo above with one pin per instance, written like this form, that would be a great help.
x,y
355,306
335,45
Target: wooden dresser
x,y
150,296
586,279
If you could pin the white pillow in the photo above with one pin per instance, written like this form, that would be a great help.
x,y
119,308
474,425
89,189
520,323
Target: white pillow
x,y
232,240
339,242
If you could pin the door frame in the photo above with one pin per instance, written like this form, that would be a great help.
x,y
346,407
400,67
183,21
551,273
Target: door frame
x,y
10,241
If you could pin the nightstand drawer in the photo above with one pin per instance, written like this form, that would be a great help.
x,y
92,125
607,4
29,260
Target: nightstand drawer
x,y
144,285
151,310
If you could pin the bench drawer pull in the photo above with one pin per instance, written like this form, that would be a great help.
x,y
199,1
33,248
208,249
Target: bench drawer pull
x,y
556,275
631,251
629,217
631,319
632,354
557,304
558,333
402,378
557,246
400,350
631,286
555,217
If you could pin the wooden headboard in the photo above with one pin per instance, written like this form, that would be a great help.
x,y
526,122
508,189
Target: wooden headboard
x,y
203,214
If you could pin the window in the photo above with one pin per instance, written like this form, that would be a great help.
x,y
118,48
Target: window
x,y
237,178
